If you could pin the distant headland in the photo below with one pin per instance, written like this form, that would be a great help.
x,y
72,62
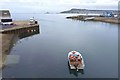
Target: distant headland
x,y
87,11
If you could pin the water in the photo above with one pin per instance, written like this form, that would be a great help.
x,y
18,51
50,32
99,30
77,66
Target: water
x,y
45,55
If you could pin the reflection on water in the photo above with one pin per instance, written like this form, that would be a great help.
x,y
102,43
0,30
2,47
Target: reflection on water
x,y
14,59
16,37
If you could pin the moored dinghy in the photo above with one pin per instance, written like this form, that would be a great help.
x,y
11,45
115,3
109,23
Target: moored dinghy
x,y
75,60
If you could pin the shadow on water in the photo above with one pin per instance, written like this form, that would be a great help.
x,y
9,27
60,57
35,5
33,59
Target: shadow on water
x,y
74,71
12,41
17,37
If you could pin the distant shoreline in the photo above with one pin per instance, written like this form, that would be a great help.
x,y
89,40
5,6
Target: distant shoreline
x,y
95,18
87,11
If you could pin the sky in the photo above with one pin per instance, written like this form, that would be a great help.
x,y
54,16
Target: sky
x,y
56,5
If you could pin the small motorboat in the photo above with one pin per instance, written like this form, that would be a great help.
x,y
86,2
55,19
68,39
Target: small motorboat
x,y
75,60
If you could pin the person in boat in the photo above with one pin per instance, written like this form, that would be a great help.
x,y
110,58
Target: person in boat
x,y
72,56
79,59
76,62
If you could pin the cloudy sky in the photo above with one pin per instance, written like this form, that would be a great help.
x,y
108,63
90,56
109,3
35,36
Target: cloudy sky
x,y
56,5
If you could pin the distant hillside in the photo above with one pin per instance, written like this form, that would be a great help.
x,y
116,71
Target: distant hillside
x,y
86,11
